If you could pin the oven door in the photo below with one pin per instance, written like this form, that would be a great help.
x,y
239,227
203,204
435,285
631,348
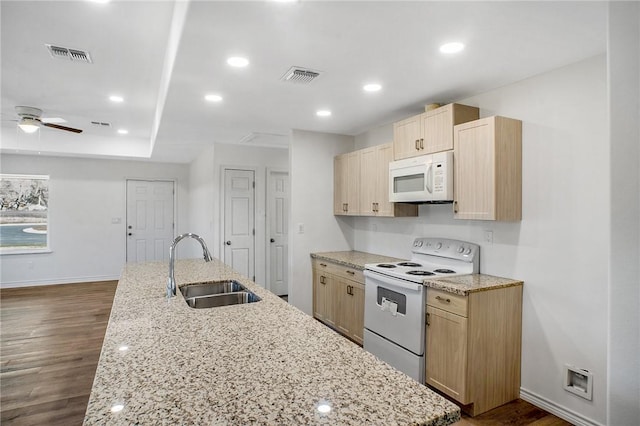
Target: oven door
x,y
395,310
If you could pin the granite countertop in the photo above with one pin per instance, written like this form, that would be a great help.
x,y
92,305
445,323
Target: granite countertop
x,y
353,259
465,284
261,363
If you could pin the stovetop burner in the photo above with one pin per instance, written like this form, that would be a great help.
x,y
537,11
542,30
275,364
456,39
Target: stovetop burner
x,y
410,264
422,273
385,265
444,271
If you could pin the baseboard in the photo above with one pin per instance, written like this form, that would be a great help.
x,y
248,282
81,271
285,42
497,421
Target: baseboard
x,y
34,283
557,410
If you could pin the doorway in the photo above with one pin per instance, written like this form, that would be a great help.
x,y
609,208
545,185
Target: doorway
x,y
239,221
277,226
150,219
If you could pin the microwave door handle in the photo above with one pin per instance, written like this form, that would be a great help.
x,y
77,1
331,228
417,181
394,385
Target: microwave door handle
x,y
430,179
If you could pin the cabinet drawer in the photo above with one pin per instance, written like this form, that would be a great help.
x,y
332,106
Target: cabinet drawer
x,y
339,270
449,302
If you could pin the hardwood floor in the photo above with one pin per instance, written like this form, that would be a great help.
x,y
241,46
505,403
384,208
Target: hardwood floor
x,y
50,344
51,338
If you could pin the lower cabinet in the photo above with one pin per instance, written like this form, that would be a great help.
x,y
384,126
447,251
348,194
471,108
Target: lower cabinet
x,y
473,346
338,298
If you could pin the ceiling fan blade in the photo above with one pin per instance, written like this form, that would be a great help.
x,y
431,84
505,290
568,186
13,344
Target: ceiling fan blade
x,y
57,126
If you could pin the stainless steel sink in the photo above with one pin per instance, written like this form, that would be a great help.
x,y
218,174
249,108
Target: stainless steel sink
x,y
217,293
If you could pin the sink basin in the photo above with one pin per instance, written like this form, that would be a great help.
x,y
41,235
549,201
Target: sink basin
x,y
210,288
224,299
217,293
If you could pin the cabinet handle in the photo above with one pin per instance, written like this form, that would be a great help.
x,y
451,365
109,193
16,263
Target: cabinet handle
x,y
322,279
455,207
421,143
346,207
442,299
324,265
428,316
417,145
351,273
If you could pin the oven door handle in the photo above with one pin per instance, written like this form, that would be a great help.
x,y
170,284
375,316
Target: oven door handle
x,y
393,282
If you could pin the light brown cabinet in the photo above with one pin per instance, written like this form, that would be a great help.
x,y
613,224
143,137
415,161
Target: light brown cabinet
x,y
346,184
431,131
361,184
374,184
473,346
488,169
338,298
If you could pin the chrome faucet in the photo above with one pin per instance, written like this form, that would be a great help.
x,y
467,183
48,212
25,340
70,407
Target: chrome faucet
x,y
171,284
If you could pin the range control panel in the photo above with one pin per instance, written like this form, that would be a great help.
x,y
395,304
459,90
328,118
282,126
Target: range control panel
x,y
444,247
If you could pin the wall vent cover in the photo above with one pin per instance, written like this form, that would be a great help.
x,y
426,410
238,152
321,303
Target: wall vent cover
x,y
69,54
300,75
101,123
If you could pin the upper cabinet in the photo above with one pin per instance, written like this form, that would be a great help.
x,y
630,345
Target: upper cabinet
x,y
431,131
488,169
346,184
361,184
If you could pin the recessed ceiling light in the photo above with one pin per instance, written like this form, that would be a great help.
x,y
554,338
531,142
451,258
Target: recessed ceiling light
x,y
123,131
237,61
371,87
213,98
323,113
454,47
116,98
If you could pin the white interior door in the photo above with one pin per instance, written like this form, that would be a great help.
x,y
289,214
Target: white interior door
x,y
150,220
239,221
278,224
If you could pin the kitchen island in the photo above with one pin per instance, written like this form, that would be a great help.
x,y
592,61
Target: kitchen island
x,y
163,362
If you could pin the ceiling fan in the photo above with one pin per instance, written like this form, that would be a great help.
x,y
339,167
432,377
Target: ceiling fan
x,y
31,119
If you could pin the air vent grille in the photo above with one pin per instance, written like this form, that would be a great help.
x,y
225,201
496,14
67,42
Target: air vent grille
x,y
70,54
101,123
300,75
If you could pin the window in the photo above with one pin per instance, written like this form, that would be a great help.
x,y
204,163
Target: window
x,y
24,213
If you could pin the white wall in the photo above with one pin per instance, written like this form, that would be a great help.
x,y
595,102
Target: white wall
x,y
311,159
560,247
624,285
206,188
84,196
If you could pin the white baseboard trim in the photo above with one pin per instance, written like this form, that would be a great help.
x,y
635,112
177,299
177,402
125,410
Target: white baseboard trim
x,y
43,282
557,410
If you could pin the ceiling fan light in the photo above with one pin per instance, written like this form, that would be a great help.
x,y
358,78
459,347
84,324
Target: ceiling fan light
x,y
29,125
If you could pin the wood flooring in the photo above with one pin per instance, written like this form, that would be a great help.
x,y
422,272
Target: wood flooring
x,y
51,338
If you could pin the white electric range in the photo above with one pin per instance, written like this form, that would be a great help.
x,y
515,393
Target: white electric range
x,y
395,298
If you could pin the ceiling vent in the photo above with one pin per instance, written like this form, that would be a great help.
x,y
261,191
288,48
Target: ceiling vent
x,y
69,54
300,75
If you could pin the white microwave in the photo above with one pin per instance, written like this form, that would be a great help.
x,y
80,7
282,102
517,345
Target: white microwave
x,y
424,179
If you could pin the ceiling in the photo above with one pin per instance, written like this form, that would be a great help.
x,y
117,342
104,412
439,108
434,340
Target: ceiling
x,y
163,57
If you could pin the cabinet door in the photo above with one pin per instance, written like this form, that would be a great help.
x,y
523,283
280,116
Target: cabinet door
x,y
406,138
369,172
353,183
350,308
384,155
437,126
446,353
323,298
340,180
474,170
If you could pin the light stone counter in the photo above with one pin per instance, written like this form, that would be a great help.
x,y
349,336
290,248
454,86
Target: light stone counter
x,y
465,284
353,259
261,363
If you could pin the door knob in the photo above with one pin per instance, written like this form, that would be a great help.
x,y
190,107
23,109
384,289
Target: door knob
x,y
228,242
130,234
272,240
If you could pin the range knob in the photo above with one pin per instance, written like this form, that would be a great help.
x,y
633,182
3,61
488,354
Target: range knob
x,y
438,246
419,243
460,249
467,251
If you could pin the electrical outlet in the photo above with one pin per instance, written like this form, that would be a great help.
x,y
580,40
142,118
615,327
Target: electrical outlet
x,y
488,236
301,228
